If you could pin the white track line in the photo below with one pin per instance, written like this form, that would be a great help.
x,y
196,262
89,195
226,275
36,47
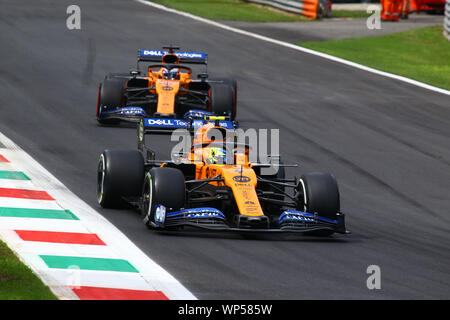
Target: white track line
x,y
295,47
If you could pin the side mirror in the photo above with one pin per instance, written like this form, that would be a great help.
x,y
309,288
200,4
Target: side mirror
x,y
202,76
135,73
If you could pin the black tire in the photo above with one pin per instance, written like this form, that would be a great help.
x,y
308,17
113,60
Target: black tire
x,y
110,96
232,83
320,195
162,186
120,174
221,99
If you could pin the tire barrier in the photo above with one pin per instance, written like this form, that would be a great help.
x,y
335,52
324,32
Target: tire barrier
x,y
309,8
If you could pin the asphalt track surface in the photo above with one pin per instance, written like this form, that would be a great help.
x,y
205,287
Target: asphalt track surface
x,y
387,142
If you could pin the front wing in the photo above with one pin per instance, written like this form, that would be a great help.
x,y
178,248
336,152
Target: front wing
x,y
290,221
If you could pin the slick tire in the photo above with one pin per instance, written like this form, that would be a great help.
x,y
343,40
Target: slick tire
x,y
120,174
320,195
162,186
221,99
110,96
232,83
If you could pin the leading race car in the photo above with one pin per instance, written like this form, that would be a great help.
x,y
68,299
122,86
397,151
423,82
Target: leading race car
x,y
167,91
214,186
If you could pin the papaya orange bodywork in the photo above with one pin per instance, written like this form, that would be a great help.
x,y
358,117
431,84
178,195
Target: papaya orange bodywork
x,y
167,90
239,176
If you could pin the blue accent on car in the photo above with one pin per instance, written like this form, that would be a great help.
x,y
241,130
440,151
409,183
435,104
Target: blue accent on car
x,y
197,114
127,111
165,123
196,213
303,216
184,55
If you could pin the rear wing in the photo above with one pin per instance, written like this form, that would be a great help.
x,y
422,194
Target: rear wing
x,y
185,57
155,125
163,124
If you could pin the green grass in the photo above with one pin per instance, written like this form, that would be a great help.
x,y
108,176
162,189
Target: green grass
x,y
421,54
350,14
17,281
234,10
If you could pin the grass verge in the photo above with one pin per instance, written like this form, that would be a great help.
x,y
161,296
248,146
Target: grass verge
x,y
350,14
233,10
17,281
420,54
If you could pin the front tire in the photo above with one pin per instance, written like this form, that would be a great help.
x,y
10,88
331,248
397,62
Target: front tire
x,y
162,186
110,97
221,99
320,195
232,83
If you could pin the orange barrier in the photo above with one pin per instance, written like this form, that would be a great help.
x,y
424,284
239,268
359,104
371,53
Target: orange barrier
x,y
391,10
405,9
308,8
414,5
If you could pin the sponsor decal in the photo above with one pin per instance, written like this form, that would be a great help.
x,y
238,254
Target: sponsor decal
x,y
127,111
200,114
197,213
160,53
296,216
241,179
300,218
203,215
167,88
160,215
180,123
166,122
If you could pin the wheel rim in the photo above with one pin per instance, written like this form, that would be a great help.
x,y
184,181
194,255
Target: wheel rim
x,y
100,178
98,101
305,197
147,198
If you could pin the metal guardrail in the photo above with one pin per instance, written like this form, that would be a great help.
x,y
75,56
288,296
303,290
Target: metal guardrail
x,y
309,8
447,20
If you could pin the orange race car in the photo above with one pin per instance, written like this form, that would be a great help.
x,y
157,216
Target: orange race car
x,y
167,93
213,185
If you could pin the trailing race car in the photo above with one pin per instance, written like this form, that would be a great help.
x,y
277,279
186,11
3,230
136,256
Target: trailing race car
x,y
167,91
214,186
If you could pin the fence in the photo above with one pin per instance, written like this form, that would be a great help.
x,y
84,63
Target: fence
x,y
447,20
310,8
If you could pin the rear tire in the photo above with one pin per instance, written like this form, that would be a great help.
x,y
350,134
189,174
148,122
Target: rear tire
x,y
320,195
162,186
120,174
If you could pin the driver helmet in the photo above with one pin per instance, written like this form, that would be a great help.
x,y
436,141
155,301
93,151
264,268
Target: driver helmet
x,y
170,75
217,156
